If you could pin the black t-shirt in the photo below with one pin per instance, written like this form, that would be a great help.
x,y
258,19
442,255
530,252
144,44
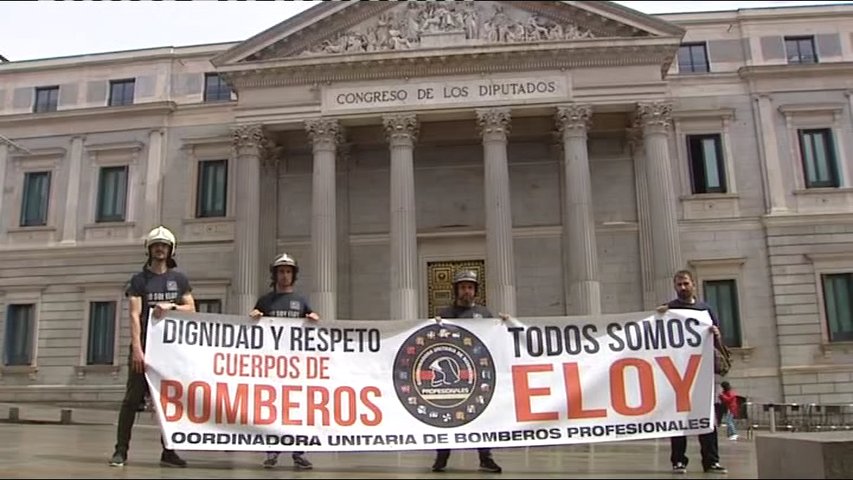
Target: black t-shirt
x,y
698,305
455,311
286,305
154,288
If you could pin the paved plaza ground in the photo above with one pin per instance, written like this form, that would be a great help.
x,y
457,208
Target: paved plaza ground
x,y
38,449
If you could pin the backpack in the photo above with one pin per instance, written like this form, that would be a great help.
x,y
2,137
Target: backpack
x,y
722,358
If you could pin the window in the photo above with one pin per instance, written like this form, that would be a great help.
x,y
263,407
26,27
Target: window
x,y
693,58
707,169
800,49
838,302
721,295
100,348
212,188
47,98
215,88
36,194
818,154
208,306
121,92
20,325
112,194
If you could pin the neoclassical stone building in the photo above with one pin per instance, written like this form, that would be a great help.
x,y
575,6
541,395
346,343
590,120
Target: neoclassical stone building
x,y
576,154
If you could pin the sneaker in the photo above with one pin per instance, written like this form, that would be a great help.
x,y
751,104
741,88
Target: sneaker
x,y
489,465
118,459
171,459
716,468
733,437
271,460
679,468
301,463
439,465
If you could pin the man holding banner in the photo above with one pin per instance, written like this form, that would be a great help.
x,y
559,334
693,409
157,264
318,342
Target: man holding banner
x,y
157,288
464,290
685,288
282,301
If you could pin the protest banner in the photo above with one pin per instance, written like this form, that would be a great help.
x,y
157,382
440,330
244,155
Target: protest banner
x,y
223,382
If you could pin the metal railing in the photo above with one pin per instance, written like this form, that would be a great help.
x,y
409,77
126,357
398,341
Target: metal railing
x,y
794,417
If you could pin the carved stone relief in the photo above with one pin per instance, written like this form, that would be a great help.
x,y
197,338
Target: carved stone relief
x,y
405,28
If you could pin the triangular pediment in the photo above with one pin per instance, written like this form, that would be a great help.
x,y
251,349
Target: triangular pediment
x,y
351,28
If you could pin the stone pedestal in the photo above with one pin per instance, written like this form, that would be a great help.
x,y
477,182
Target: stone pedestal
x,y
805,455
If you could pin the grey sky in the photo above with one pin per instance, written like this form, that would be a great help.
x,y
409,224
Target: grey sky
x,y
45,29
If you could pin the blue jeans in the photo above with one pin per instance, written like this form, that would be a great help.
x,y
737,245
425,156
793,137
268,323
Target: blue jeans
x,y
730,423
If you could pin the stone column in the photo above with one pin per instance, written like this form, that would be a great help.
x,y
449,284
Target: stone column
x,y
153,177
268,227
72,196
578,220
249,145
401,131
325,134
644,216
655,118
500,265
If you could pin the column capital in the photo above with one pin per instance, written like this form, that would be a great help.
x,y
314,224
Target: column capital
x,y
493,123
270,156
325,133
401,128
634,136
248,139
573,118
654,116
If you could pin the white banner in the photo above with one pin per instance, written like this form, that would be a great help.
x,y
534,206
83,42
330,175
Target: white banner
x,y
223,382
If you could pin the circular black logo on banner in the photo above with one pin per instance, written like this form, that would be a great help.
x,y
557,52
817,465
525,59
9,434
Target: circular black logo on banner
x,y
444,375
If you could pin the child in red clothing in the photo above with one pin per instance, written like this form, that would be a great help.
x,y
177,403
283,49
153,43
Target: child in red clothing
x,y
728,398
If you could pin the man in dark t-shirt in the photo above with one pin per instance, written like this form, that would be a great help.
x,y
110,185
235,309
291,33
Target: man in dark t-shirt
x,y
283,302
685,288
156,289
464,291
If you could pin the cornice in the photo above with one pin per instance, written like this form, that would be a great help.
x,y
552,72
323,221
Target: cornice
x,y
114,146
803,219
52,152
82,114
795,70
725,112
347,68
805,108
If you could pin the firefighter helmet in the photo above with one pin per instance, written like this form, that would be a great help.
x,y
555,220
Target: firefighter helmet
x,y
160,234
284,259
465,276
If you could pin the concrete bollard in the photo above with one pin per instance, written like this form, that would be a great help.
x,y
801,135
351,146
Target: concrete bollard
x,y
14,414
65,416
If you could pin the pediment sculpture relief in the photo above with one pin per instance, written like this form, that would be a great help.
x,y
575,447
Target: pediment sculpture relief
x,y
477,22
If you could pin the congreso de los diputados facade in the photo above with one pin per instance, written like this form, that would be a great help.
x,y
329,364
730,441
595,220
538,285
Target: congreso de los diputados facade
x,y
575,154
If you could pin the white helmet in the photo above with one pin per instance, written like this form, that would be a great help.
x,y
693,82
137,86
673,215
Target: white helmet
x,y
160,234
284,259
